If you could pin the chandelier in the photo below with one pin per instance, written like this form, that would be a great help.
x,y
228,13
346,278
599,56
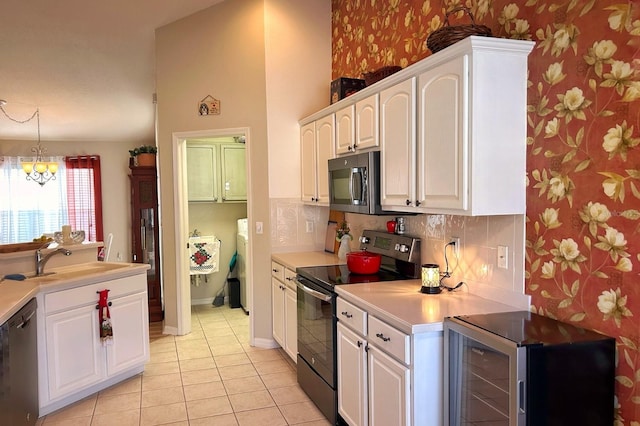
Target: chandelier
x,y
37,170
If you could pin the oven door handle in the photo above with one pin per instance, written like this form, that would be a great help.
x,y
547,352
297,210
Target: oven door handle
x,y
312,292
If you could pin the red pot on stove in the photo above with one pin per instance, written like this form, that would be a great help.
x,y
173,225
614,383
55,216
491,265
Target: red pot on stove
x,y
363,262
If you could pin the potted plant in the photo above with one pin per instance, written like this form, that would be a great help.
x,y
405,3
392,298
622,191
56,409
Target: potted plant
x,y
144,156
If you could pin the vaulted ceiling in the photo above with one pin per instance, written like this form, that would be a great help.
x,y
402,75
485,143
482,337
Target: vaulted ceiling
x,y
88,66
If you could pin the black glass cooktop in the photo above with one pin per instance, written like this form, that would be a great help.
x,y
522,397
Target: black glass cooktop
x,y
330,276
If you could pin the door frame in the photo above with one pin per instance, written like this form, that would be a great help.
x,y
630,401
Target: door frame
x,y
181,225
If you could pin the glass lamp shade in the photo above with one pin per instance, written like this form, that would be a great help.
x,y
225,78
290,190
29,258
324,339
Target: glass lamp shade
x,y
430,278
53,167
41,167
27,167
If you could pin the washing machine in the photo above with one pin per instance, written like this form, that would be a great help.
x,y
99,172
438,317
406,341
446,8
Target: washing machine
x,y
242,263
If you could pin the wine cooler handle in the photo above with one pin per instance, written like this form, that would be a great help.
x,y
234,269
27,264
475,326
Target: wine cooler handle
x,y
521,397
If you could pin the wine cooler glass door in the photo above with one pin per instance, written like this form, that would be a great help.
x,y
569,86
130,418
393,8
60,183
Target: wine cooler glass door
x,y
483,384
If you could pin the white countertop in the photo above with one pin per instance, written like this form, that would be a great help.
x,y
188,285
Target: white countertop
x,y
400,303
307,258
15,294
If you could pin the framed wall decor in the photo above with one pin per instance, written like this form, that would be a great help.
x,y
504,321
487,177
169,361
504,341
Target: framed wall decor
x,y
209,106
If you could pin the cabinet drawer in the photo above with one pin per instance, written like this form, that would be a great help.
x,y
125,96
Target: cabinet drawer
x,y
85,295
289,278
277,271
392,341
352,316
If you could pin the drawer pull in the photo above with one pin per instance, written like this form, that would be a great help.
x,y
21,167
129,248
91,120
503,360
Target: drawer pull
x,y
274,270
359,343
346,314
98,306
381,336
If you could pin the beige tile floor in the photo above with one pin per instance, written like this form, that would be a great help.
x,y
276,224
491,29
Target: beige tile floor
x,y
208,377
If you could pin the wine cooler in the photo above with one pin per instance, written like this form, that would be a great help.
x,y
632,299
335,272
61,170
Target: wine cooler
x,y
520,368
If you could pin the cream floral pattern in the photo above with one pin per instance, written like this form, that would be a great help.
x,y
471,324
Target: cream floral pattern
x,y
583,198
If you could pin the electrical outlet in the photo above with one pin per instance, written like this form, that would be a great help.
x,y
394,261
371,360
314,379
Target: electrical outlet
x,y
309,228
456,246
503,257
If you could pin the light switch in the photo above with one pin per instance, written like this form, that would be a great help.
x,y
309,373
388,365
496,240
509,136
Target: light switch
x,y
259,228
503,257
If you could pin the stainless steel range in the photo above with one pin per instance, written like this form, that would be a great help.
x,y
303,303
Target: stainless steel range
x,y
317,318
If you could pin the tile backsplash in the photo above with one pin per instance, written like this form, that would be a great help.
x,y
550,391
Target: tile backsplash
x,y
299,227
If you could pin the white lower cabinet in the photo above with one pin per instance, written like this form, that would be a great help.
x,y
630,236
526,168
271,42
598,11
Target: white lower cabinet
x,y
386,376
74,362
284,310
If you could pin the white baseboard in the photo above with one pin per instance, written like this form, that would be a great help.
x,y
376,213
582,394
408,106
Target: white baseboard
x,y
265,343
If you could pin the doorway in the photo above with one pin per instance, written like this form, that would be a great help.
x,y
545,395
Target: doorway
x,y
210,210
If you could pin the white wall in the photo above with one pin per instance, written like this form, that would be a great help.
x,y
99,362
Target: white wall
x,y
298,74
221,52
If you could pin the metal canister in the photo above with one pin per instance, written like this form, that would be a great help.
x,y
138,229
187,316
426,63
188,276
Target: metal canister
x,y
400,225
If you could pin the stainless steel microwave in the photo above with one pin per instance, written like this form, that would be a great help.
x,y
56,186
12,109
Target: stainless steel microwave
x,y
354,183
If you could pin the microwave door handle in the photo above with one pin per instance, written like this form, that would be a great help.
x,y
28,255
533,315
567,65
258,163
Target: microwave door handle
x,y
356,186
353,176
314,293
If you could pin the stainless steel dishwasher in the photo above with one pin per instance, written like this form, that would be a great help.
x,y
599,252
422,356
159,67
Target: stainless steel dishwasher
x,y
19,368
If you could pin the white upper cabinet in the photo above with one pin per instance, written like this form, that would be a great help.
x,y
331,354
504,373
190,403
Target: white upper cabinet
x,y
345,130
367,129
357,126
470,148
217,173
202,179
398,140
442,148
317,140
452,129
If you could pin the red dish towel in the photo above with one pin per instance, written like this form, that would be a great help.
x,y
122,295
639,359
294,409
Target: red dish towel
x,y
106,331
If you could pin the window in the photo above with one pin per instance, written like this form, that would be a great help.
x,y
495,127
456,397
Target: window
x,y
28,210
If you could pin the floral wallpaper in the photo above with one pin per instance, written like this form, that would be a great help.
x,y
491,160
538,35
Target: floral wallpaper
x,y
583,197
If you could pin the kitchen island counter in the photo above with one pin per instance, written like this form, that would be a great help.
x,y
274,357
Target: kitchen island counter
x,y
15,294
401,304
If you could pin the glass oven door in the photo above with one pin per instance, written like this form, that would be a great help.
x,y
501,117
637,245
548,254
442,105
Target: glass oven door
x,y
316,328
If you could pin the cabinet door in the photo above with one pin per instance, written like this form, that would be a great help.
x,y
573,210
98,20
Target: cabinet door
x,y
397,140
325,140
277,308
130,344
308,162
367,130
345,130
443,138
75,357
291,323
234,172
389,386
352,377
202,173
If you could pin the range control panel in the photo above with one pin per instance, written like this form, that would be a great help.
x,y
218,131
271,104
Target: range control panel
x,y
402,247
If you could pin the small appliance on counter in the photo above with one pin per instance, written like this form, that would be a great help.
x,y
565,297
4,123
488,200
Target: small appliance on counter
x,y
520,368
317,317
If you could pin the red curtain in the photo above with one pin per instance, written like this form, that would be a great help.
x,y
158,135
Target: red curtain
x,y
84,191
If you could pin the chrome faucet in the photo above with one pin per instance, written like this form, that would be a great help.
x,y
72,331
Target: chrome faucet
x,y
42,260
